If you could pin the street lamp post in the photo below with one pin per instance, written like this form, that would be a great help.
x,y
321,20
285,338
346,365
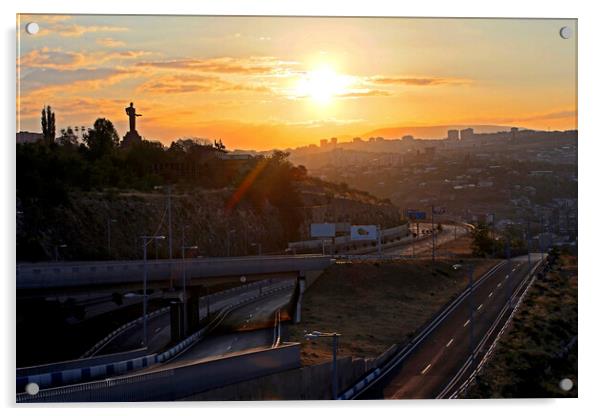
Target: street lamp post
x,y
258,245
185,299
109,222
228,241
56,251
335,344
146,239
169,189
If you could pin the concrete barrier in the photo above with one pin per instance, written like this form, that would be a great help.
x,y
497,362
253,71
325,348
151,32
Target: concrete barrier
x,y
177,382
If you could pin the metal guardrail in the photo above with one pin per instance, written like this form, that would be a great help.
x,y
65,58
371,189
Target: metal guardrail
x,y
223,294
376,374
528,281
122,367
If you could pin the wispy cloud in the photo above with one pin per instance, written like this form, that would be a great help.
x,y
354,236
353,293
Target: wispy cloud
x,y
110,42
56,58
187,83
417,81
225,65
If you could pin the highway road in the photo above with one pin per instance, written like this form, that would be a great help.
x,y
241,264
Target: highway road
x,y
159,327
424,245
428,369
245,327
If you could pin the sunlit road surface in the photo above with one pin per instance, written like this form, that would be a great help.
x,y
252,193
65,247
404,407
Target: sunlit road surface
x,y
425,245
426,372
159,328
257,314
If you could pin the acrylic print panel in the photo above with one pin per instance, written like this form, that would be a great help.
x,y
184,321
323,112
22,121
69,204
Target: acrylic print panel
x,y
274,208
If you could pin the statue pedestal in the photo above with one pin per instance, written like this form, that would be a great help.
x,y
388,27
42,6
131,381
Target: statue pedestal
x,y
131,138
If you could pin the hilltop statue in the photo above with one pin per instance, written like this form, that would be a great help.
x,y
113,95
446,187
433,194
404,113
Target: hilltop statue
x,y
132,136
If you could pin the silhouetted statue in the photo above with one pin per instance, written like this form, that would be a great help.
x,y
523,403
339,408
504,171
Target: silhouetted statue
x,y
131,112
131,136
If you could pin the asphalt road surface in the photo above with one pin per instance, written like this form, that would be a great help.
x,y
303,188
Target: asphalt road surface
x,y
244,321
426,372
425,245
159,327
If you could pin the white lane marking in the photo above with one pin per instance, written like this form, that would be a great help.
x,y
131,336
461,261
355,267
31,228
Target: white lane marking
x,y
514,269
466,323
157,330
506,277
490,294
499,284
449,343
480,306
425,369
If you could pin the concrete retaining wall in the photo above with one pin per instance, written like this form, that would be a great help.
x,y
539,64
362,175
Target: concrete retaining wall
x,y
306,383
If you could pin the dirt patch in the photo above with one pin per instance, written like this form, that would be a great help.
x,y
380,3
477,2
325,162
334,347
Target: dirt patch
x,y
459,247
377,304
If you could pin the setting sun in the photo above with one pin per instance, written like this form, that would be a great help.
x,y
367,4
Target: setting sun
x,y
322,84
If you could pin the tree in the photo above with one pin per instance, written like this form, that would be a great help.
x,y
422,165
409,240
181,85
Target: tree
x,y
482,243
67,137
102,138
48,125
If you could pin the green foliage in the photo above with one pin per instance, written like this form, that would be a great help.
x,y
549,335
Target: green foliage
x,y
48,125
101,139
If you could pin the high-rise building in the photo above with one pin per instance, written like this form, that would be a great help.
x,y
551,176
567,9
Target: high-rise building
x,y
333,141
467,134
323,143
453,135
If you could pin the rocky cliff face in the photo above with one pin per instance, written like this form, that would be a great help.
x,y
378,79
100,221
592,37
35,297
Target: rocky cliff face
x,y
79,230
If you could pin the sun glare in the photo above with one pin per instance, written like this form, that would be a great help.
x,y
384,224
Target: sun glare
x,y
322,84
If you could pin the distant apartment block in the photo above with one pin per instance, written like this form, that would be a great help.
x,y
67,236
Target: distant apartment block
x,y
453,135
467,134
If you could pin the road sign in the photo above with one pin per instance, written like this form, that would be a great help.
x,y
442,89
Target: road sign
x,y
323,230
364,232
416,215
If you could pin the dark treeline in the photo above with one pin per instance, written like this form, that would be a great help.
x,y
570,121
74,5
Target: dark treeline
x,y
51,171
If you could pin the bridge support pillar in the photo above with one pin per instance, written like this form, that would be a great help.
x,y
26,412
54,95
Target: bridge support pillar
x,y
301,283
192,309
176,309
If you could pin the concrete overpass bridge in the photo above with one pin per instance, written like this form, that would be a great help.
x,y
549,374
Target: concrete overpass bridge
x,y
97,287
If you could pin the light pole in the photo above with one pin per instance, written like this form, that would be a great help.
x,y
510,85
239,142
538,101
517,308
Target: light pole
x,y
56,251
471,306
335,343
169,188
109,222
258,245
228,241
146,239
185,299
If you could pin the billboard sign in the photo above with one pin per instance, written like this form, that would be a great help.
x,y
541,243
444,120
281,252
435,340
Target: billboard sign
x,y
416,215
322,230
364,232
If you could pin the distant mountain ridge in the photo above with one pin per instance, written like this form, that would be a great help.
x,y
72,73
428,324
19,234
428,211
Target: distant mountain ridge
x,y
432,132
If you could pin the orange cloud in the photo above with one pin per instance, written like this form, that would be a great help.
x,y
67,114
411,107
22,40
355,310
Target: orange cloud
x,y
417,81
226,65
56,58
110,42
185,83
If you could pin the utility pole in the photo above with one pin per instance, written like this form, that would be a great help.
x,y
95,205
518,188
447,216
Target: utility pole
x,y
471,306
433,230
509,270
109,221
169,220
529,245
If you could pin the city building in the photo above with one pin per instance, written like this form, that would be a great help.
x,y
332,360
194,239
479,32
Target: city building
x,y
323,143
467,134
453,135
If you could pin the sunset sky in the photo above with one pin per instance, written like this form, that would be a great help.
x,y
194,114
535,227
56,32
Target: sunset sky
x,y
265,82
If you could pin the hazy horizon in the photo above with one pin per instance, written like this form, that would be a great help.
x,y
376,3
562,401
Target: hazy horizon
x,y
280,82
